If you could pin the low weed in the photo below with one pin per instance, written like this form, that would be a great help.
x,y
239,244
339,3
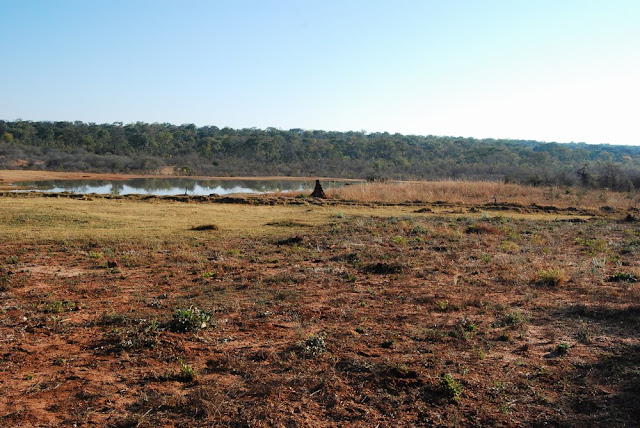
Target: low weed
x,y
623,277
208,274
480,228
450,387
445,306
5,281
136,334
463,330
511,319
187,373
562,348
400,240
111,318
190,319
56,306
592,246
313,345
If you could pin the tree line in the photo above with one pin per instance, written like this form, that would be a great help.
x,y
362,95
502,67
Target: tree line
x,y
209,150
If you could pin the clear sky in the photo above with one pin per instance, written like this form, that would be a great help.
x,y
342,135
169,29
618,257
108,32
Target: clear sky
x,y
550,70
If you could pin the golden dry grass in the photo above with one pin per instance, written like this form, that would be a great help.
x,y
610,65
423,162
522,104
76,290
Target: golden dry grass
x,y
38,218
465,192
45,218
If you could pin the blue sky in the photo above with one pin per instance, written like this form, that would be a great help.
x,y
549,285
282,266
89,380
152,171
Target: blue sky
x,y
546,70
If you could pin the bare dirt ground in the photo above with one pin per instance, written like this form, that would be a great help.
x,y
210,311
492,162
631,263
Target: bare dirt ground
x,y
321,317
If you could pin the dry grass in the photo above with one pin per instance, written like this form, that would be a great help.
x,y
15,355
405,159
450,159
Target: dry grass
x,y
486,192
33,218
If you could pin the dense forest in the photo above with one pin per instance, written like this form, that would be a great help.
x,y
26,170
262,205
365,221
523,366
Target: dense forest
x,y
208,150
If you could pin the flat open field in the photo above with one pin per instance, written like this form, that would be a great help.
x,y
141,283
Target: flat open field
x,y
281,311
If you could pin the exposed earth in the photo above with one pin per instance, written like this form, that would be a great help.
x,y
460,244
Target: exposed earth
x,y
321,315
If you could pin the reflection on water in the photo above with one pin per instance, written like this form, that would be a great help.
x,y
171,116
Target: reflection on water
x,y
174,186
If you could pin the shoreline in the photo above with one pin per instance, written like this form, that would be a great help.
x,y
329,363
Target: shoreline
x,y
10,176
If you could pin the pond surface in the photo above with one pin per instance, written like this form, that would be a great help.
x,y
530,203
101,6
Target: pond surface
x,y
173,186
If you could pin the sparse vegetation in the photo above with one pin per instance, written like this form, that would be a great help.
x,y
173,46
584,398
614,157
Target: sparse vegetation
x,y
338,323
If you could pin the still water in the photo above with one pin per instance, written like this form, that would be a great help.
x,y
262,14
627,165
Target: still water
x,y
173,186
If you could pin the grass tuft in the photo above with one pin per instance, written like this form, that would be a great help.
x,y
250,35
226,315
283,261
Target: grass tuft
x,y
551,278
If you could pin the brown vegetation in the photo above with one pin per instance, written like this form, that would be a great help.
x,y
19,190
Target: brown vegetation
x,y
467,192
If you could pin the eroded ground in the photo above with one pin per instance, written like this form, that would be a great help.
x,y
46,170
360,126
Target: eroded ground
x,y
420,319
